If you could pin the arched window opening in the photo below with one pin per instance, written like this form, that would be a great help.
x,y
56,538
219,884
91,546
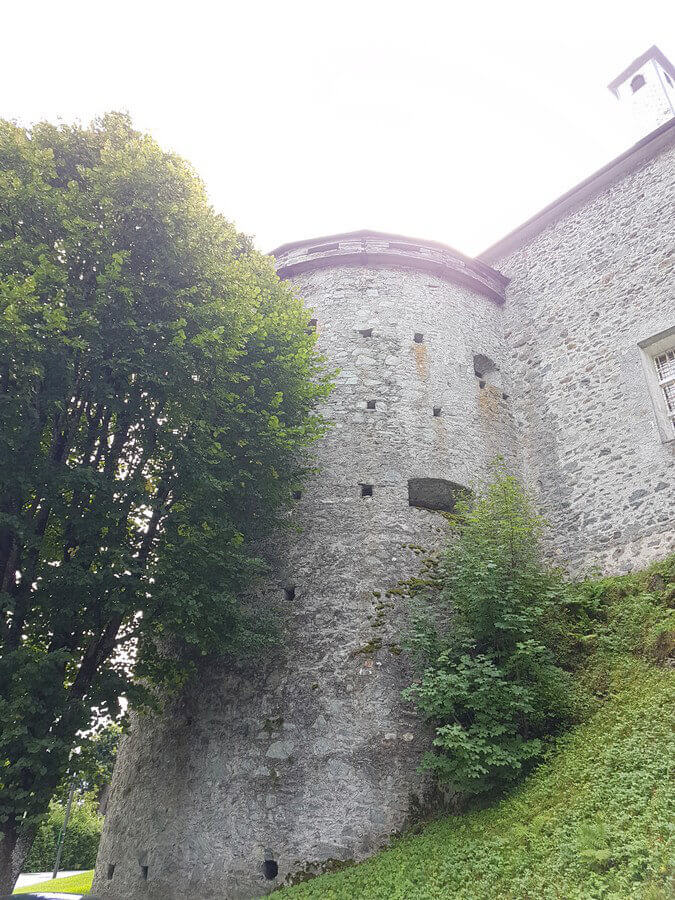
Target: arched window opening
x,y
434,493
637,82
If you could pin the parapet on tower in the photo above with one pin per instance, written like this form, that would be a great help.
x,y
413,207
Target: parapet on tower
x,y
647,87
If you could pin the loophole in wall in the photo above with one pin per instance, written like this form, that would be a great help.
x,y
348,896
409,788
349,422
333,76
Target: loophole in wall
x,y
270,869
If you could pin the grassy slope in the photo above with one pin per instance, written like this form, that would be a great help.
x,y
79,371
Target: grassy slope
x,y
592,822
75,884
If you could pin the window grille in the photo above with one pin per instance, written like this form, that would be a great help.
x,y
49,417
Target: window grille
x,y
665,371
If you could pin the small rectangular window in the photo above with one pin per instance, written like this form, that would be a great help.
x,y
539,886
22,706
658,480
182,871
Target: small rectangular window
x,y
658,365
418,337
437,411
324,248
144,873
370,404
665,372
366,332
366,490
399,245
297,495
111,871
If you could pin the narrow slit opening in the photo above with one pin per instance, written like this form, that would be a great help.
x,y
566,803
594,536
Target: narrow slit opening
x,y
289,592
111,871
144,873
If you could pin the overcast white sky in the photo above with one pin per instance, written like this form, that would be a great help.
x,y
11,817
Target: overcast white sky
x,y
441,120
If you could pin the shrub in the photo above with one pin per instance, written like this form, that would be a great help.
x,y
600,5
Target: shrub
x,y
489,681
81,843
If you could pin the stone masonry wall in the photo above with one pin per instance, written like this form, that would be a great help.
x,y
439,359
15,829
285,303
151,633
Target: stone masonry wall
x,y
583,293
311,755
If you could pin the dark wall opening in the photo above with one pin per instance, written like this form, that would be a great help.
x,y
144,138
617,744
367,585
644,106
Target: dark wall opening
x,y
270,869
434,493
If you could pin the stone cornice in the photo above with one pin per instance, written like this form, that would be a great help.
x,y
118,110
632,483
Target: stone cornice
x,y
379,249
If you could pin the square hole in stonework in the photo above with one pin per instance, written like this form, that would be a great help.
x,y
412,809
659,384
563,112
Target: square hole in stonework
x,y
366,490
270,869
289,592
370,404
311,326
418,337
297,495
366,332
437,411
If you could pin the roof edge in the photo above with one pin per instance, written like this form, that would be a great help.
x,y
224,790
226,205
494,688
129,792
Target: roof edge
x,y
633,158
382,249
366,233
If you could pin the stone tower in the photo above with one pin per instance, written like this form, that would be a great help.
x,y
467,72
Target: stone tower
x,y
647,88
311,756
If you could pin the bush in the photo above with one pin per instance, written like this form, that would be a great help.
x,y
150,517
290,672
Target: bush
x,y
489,681
593,822
81,843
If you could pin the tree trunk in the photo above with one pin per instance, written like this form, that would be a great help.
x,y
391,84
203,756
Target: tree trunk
x,y
13,853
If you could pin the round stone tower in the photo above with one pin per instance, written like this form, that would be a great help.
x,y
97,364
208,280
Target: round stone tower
x,y
269,772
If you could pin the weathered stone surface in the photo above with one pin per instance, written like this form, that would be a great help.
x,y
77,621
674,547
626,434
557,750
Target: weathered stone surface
x,y
310,755
582,294
214,787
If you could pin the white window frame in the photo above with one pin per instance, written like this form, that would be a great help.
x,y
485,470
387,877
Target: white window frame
x,y
650,349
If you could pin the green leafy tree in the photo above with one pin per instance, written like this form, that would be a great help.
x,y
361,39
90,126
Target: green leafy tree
x,y
157,397
91,764
81,841
489,682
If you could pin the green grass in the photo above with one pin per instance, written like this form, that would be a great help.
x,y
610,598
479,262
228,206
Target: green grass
x,y
74,884
594,820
